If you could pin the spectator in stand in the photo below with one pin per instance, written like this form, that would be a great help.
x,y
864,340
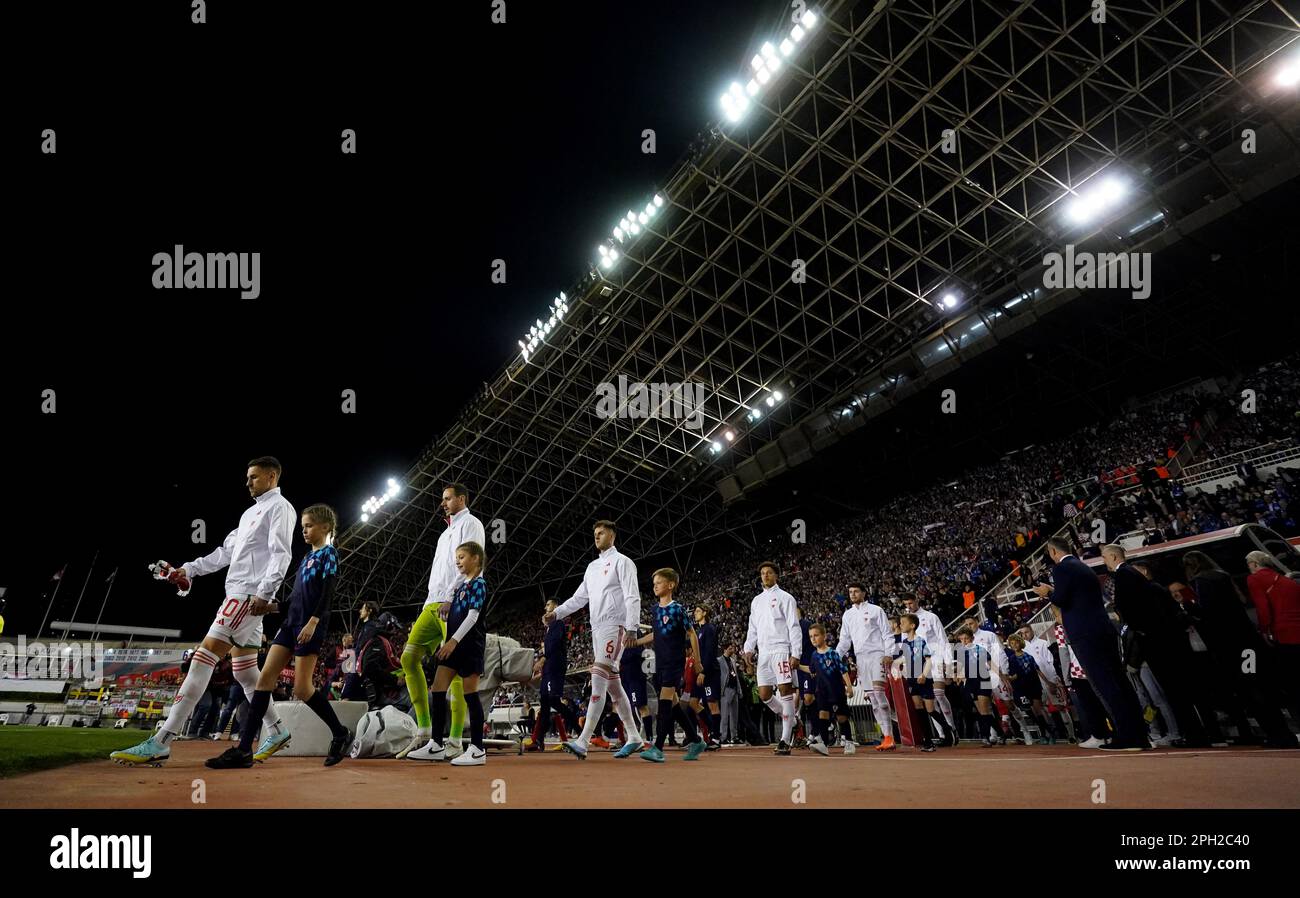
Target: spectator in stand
x,y
347,662
1277,610
353,688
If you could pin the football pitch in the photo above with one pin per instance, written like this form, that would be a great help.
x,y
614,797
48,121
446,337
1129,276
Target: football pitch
x,y
25,749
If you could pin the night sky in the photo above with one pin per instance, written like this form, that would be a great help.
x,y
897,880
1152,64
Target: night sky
x,y
475,142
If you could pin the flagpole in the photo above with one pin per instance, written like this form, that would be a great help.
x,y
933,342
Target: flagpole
x,y
73,619
50,606
112,581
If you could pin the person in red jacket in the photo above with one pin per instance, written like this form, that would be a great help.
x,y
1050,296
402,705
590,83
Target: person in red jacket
x,y
1277,608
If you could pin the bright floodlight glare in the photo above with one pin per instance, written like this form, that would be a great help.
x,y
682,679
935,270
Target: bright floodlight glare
x,y
809,19
1083,209
737,88
716,447
756,62
602,249
777,396
392,482
773,63
769,52
770,402
756,413
797,33
523,346
949,300
787,47
650,209
658,200
764,76
605,262
636,228
752,87
1112,190
613,256
729,435
1289,74
364,517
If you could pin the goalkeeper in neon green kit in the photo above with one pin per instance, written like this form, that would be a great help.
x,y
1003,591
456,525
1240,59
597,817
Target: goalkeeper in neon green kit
x,y
430,628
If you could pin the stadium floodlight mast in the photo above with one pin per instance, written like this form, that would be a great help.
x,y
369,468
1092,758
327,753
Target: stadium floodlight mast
x,y
765,64
755,414
372,505
950,300
559,308
1096,200
1289,74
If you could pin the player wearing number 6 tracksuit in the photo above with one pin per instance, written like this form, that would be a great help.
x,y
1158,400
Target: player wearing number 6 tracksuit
x,y
610,588
774,631
256,556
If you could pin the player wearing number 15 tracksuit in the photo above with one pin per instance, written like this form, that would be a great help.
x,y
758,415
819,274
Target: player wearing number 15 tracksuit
x,y
774,631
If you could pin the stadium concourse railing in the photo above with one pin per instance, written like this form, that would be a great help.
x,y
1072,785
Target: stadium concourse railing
x,y
1033,562
1268,455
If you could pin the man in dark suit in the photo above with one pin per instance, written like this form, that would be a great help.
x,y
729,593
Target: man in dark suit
x,y
1152,614
1077,592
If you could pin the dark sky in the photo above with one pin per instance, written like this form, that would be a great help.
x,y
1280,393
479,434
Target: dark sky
x,y
520,142
476,142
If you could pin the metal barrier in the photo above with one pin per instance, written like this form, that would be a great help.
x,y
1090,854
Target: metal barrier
x,y
1221,471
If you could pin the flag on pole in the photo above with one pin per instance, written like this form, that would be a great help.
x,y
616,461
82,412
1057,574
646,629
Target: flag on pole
x,y
58,575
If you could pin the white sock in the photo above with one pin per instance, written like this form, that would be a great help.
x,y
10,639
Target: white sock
x,y
202,664
945,707
599,691
880,708
246,673
623,707
788,718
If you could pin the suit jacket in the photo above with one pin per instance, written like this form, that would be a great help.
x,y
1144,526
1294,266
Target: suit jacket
x,y
1077,592
1145,606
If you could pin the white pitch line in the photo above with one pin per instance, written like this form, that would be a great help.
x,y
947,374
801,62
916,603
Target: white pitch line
x,y
1105,755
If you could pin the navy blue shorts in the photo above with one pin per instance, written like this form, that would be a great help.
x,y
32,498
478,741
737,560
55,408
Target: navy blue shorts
x,y
924,690
711,691
466,658
287,635
975,688
552,688
806,684
635,692
1031,691
833,701
670,674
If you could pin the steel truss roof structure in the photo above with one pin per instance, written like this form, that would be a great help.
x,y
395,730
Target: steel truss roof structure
x,y
841,165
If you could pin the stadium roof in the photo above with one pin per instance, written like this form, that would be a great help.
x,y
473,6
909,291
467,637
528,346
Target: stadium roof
x,y
840,161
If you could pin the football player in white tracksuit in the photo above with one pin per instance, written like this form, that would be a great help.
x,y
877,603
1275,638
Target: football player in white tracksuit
x,y
256,556
936,637
610,588
774,631
865,631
